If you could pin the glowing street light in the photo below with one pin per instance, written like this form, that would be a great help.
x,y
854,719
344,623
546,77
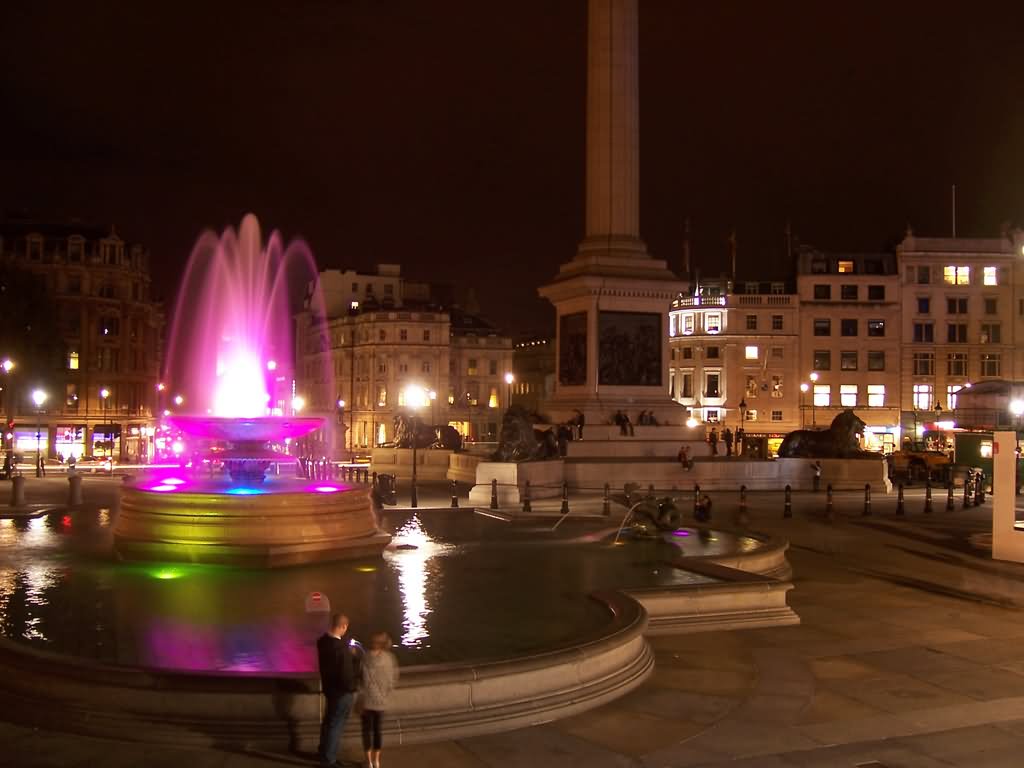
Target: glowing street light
x,y
1017,407
7,365
271,365
39,397
509,378
813,377
160,387
298,403
415,397
178,400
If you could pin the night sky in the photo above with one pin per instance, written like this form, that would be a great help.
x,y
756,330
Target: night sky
x,y
448,135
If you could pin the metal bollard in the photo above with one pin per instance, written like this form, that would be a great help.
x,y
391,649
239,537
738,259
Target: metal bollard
x,y
867,500
967,488
414,497
787,509
18,491
742,516
650,490
74,490
565,498
899,500
928,496
950,504
374,484
830,510
606,507
979,489
696,498
494,493
455,495
527,507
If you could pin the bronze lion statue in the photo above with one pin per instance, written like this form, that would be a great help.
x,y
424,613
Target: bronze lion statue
x,y
839,441
411,432
519,441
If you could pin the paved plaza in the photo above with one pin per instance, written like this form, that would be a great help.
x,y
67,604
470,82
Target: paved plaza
x,y
910,653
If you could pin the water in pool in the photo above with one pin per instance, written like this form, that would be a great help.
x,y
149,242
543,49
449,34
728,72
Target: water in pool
x,y
453,587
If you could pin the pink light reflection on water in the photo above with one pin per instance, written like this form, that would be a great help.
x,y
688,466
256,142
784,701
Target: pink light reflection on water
x,y
273,645
163,488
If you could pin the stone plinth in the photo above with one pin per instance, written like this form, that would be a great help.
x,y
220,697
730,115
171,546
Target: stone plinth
x,y
545,479
775,474
431,463
1007,539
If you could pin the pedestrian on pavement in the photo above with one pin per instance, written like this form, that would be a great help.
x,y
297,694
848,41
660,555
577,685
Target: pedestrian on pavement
x,y
817,476
338,684
740,435
684,456
727,437
703,510
379,678
627,425
580,421
713,441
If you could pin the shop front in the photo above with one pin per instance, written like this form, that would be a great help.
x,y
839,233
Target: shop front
x,y
69,440
106,440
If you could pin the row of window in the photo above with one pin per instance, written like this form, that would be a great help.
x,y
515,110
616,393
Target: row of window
x,y
823,292
403,334
956,305
849,395
750,352
990,364
848,360
470,397
924,396
956,333
713,415
771,386
849,327
955,274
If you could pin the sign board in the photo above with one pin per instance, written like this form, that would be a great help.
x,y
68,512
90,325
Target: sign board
x,y
317,602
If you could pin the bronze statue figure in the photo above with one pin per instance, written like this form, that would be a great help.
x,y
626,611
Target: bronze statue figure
x,y
839,441
519,441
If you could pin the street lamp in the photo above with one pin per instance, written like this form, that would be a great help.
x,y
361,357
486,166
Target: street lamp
x,y
104,398
804,386
341,419
179,400
39,397
743,425
7,366
509,378
415,397
1017,409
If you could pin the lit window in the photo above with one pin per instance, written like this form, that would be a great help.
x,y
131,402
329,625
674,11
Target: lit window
x,y
688,323
923,395
382,397
492,401
750,353
846,266
713,322
876,395
848,395
957,275
751,389
951,391
73,361
989,276
985,449
822,395
777,385
354,305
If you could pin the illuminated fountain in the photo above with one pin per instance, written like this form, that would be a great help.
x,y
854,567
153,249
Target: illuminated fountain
x,y
227,354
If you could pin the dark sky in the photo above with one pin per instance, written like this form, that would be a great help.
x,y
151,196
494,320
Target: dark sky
x,y
448,135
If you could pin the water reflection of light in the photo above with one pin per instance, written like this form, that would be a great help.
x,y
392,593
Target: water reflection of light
x,y
413,566
104,518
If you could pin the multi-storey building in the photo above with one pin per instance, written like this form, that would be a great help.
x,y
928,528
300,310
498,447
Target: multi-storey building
x,y
533,365
850,331
963,314
101,382
446,366
734,358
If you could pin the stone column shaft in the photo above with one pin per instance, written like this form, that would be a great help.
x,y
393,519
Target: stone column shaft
x,y
613,130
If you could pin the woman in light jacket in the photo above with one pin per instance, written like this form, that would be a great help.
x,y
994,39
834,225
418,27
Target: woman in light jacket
x,y
379,678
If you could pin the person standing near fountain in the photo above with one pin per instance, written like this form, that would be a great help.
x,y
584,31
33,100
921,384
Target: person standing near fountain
x,y
379,678
338,683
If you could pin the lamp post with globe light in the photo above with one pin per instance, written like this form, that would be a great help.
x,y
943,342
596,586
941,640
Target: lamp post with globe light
x,y
7,366
814,378
39,397
509,378
804,386
1017,409
415,398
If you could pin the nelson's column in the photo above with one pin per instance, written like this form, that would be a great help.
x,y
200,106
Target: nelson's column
x,y
612,298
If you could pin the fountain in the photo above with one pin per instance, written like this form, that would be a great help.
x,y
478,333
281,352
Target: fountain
x,y
229,354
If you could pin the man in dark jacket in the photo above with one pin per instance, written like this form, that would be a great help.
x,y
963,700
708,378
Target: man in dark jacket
x,y
338,683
